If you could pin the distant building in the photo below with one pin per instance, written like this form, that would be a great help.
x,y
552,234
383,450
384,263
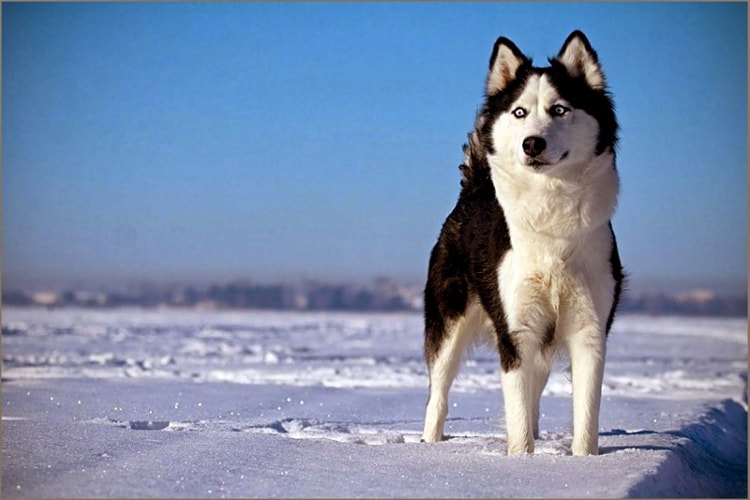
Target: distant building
x,y
47,299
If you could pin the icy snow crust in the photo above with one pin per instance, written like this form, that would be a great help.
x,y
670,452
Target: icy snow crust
x,y
177,403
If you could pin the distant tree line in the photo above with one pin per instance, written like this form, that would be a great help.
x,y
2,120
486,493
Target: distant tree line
x,y
384,295
677,304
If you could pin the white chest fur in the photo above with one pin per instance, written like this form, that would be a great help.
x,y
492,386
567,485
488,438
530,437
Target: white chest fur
x,y
558,273
565,205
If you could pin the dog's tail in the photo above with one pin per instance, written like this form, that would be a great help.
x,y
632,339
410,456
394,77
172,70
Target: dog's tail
x,y
474,170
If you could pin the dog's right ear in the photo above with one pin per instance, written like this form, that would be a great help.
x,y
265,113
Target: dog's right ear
x,y
504,63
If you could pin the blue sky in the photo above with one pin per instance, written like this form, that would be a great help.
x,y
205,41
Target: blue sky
x,y
207,142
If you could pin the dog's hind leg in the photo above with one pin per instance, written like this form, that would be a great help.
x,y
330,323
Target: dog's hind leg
x,y
443,367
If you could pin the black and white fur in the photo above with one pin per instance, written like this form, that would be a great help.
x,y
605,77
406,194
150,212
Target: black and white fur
x,y
528,257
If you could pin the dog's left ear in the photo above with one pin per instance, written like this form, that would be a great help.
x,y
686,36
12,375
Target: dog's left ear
x,y
581,60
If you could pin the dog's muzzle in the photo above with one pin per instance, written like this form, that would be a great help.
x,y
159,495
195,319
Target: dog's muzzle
x,y
534,148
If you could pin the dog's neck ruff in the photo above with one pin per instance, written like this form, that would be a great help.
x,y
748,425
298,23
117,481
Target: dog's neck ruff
x,y
562,205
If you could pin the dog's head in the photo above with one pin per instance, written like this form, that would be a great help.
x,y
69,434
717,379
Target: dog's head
x,y
551,119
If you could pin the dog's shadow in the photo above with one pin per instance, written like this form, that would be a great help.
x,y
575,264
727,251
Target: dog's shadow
x,y
605,450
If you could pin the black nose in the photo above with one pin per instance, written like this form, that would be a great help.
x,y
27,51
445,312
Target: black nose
x,y
533,146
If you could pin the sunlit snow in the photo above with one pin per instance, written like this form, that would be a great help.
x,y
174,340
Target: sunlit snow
x,y
180,403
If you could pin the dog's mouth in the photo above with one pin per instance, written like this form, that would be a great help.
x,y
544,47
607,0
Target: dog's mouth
x,y
538,163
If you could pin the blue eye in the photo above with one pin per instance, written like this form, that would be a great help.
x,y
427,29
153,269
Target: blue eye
x,y
559,110
519,112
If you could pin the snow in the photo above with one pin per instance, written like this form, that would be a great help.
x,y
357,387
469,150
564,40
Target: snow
x,y
182,403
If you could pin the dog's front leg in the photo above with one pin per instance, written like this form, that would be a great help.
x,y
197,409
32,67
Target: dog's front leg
x,y
522,388
587,351
517,393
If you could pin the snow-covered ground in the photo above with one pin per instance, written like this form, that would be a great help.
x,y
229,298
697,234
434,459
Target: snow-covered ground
x,y
178,403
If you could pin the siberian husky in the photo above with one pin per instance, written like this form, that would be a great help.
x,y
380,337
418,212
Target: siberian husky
x,y
528,257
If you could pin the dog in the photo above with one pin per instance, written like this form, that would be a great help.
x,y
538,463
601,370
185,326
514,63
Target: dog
x,y
528,257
